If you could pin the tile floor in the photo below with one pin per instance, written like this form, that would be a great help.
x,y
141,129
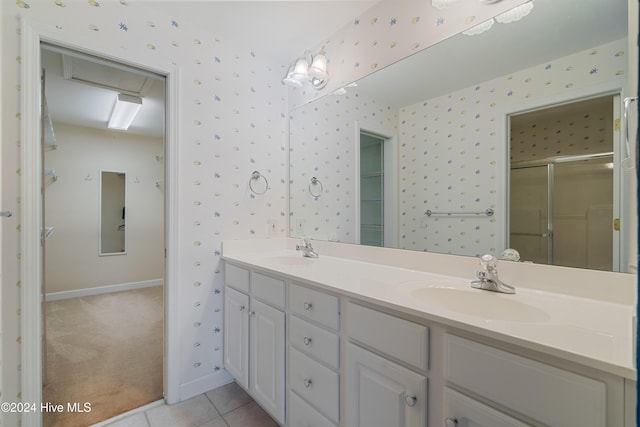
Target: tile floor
x,y
227,406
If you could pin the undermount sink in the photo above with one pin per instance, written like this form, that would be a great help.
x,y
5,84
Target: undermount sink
x,y
486,305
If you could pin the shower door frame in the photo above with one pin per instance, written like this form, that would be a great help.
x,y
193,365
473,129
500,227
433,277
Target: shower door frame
x,y
617,90
550,165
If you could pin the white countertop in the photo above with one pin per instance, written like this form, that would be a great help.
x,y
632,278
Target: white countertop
x,y
588,331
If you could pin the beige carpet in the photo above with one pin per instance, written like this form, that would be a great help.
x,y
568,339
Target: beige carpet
x,y
105,350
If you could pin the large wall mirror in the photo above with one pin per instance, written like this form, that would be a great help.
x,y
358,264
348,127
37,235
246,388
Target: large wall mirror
x,y
447,112
113,231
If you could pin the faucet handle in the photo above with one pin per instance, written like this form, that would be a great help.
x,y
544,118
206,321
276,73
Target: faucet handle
x,y
488,263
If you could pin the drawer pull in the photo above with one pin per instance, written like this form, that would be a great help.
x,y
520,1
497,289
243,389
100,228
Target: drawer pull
x,y
307,383
410,400
450,422
307,341
307,306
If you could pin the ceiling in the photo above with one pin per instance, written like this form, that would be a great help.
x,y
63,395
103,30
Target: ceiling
x,y
296,25
292,27
280,30
553,29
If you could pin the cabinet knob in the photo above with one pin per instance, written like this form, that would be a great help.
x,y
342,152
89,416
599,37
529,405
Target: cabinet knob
x,y
450,422
307,306
251,313
307,383
410,400
242,308
307,341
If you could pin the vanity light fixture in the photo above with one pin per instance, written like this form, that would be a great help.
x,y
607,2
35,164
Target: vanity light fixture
x,y
312,69
124,111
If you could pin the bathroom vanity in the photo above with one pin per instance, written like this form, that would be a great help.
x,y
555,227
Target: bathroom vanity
x,y
381,337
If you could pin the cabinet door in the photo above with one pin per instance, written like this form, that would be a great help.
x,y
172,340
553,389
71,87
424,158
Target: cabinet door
x,y
236,335
380,393
267,370
462,411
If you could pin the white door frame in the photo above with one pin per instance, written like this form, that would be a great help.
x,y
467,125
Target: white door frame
x,y
621,186
31,208
391,188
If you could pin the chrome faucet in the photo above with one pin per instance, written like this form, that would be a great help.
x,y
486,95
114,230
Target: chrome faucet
x,y
488,277
307,249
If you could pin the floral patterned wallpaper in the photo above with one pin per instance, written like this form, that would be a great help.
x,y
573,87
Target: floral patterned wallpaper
x,y
448,152
231,122
232,115
563,131
389,31
322,144
453,166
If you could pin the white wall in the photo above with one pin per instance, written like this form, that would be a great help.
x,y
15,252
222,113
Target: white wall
x,y
449,150
72,207
323,138
389,31
465,148
231,121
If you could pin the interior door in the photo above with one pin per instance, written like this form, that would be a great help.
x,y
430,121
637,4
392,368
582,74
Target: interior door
x,y
565,184
43,132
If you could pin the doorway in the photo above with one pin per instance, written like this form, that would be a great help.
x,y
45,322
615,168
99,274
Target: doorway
x,y
103,242
377,185
563,199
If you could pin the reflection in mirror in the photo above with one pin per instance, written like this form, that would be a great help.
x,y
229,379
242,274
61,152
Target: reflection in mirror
x,y
112,213
449,115
562,194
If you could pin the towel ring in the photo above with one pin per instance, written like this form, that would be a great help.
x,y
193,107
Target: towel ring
x,y
255,176
316,182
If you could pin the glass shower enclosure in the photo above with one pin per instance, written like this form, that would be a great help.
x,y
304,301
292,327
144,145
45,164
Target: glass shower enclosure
x,y
561,211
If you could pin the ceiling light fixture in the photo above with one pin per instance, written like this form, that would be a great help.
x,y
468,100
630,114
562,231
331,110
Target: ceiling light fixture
x,y
512,15
312,69
515,14
124,111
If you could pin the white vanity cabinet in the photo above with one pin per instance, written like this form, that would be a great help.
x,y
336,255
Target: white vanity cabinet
x,y
386,360
343,358
313,358
236,335
535,393
254,342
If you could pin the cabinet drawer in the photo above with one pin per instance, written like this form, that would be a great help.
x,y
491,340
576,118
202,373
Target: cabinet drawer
x,y
315,383
404,340
314,305
301,414
469,412
320,343
236,277
268,289
550,395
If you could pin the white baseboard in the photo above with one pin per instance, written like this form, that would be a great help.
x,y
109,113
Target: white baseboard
x,y
204,384
55,296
